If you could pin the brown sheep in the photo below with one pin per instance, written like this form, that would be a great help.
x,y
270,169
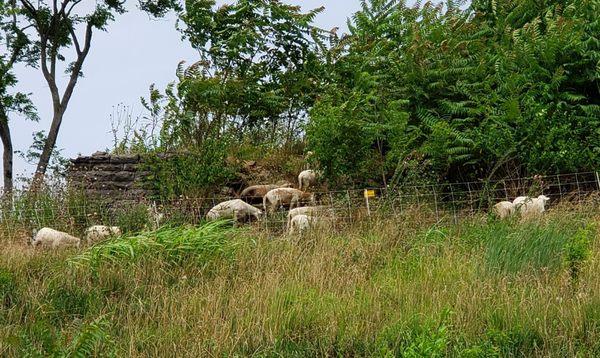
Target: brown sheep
x,y
254,194
286,197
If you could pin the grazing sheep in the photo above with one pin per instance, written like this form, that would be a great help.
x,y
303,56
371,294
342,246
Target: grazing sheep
x,y
307,179
300,224
254,194
287,197
304,210
100,233
236,209
504,209
47,237
533,206
520,200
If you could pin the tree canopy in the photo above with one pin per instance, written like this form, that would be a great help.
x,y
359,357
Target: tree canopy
x,y
494,89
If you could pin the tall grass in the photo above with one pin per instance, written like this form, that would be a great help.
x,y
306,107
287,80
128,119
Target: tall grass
x,y
402,287
175,245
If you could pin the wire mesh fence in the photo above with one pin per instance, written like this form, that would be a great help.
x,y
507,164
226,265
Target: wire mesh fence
x,y
447,202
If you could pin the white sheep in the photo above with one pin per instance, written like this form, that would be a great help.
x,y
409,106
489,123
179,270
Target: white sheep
x,y
533,206
299,224
306,179
100,233
520,200
504,209
47,237
304,210
286,197
235,209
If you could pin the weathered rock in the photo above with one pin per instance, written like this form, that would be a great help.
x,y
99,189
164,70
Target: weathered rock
x,y
112,178
125,159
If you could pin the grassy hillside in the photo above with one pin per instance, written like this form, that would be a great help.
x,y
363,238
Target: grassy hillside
x,y
401,287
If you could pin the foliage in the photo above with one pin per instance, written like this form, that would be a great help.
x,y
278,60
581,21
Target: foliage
x,y
255,77
91,340
395,286
480,91
188,174
576,252
529,245
59,36
134,134
58,163
176,245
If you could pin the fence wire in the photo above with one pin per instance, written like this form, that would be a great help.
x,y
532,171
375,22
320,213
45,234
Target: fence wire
x,y
446,201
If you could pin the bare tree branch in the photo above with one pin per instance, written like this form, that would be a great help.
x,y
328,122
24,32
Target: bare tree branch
x,y
75,40
47,75
73,4
75,71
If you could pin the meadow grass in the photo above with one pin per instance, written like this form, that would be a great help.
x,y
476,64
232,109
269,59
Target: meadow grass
x,y
407,286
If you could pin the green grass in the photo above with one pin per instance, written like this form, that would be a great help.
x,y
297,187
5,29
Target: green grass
x,y
406,287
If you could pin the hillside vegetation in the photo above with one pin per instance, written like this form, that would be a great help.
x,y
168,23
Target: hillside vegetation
x,y
437,92
406,286
426,99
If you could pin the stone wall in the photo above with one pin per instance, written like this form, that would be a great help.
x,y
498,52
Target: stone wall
x,y
110,177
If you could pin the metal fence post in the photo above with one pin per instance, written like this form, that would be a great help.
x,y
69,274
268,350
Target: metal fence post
x,y
349,217
437,212
559,186
578,188
453,204
333,209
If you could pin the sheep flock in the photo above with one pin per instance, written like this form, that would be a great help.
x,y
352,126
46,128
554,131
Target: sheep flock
x,y
258,201
524,206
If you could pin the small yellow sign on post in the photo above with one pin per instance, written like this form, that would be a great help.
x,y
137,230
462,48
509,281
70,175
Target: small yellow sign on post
x,y
369,193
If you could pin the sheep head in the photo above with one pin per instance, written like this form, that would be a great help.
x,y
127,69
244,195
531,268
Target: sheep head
x,y
543,198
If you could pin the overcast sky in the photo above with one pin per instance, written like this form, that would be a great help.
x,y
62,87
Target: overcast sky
x,y
134,53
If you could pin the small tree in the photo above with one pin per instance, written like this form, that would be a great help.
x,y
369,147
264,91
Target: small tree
x,y
17,48
56,26
256,75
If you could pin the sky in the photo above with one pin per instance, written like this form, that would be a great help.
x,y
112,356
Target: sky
x,y
123,62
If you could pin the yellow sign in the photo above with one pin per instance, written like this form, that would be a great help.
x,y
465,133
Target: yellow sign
x,y
369,193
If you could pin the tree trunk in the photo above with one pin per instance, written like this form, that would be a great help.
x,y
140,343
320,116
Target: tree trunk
x,y
8,154
49,145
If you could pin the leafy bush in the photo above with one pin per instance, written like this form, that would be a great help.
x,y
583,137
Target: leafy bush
x,y
576,252
193,173
488,90
68,301
133,219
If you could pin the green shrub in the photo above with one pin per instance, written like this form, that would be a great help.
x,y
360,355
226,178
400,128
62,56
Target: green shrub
x,y
412,340
194,173
8,289
133,219
41,339
576,252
